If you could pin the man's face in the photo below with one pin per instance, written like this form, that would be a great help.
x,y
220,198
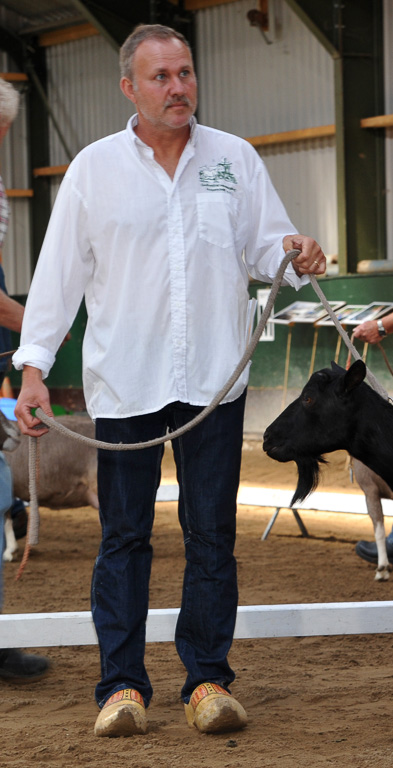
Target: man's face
x,y
164,87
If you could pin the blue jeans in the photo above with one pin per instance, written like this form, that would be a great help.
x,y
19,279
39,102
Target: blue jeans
x,y
208,469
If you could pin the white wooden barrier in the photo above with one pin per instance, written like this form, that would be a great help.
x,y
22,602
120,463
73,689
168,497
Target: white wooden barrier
x,y
353,503
323,501
33,630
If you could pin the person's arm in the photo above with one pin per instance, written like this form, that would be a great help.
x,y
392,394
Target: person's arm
x,y
11,313
371,332
62,272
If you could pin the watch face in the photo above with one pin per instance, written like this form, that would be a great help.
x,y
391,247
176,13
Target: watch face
x,y
381,328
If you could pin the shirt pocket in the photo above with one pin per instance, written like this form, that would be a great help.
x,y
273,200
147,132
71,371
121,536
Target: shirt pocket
x,y
217,218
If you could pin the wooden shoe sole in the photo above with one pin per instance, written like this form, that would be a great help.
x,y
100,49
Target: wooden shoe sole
x,y
122,715
212,709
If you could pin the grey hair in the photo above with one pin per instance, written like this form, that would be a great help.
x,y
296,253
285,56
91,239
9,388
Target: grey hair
x,y
141,33
9,102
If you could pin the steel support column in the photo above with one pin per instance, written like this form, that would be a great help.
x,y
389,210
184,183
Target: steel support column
x,y
352,32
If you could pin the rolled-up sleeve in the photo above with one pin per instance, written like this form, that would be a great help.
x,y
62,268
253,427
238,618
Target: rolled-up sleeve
x,y
33,354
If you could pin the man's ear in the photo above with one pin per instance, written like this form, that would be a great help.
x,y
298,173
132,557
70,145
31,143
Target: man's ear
x,y
127,88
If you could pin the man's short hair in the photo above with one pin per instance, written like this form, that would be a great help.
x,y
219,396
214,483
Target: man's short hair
x,y
141,33
9,102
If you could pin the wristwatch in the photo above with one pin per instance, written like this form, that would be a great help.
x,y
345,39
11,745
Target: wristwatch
x,y
381,328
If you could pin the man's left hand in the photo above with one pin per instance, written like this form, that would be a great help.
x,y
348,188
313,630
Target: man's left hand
x,y
311,259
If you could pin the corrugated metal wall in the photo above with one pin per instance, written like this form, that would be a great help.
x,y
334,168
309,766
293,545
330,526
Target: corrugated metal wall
x,y
304,174
85,96
246,86
250,87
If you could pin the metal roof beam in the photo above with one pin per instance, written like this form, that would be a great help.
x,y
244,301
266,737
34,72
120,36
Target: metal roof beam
x,y
316,16
94,19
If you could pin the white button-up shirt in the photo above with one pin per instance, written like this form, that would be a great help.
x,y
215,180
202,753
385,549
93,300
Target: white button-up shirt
x,y
162,264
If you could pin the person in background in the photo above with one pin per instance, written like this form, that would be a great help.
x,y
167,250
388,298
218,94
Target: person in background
x,y
374,331
15,665
158,226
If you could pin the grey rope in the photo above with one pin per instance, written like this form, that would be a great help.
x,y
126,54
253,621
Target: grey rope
x,y
32,536
33,460
374,383
33,524
34,517
49,422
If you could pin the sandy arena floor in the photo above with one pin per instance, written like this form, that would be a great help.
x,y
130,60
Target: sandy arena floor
x,y
311,701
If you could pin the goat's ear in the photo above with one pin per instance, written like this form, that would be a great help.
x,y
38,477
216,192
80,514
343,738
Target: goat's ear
x,y
354,376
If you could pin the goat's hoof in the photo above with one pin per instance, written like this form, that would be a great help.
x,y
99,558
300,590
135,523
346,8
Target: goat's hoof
x,y
383,573
7,556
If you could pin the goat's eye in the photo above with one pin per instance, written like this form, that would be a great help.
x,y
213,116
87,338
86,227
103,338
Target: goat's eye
x,y
307,400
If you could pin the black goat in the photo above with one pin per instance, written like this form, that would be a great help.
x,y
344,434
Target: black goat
x,y
336,410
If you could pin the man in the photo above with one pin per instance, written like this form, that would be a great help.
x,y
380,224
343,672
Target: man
x,y
15,666
150,225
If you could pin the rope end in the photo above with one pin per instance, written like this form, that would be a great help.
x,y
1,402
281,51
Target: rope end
x,y
25,558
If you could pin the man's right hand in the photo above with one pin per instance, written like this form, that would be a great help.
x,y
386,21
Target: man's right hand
x,y
33,394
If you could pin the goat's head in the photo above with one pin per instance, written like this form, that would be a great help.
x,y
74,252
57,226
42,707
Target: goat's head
x,y
319,421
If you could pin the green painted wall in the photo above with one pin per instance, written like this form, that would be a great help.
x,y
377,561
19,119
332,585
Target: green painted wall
x,y
268,365
67,370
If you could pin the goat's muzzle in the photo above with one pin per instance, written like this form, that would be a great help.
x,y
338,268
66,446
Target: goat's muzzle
x,y
273,449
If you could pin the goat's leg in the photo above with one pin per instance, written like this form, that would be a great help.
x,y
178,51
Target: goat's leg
x,y
374,508
383,569
375,489
11,544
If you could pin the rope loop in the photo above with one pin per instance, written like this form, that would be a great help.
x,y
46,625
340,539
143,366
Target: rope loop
x,y
32,533
49,421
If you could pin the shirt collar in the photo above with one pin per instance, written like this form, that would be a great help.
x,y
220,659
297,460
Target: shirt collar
x,y
133,122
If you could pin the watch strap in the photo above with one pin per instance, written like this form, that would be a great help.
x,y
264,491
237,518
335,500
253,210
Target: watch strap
x,y
381,328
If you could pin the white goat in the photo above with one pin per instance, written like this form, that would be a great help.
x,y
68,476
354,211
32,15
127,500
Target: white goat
x,y
375,489
11,544
68,471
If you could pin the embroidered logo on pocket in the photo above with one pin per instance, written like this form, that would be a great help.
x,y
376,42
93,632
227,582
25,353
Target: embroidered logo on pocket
x,y
218,178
